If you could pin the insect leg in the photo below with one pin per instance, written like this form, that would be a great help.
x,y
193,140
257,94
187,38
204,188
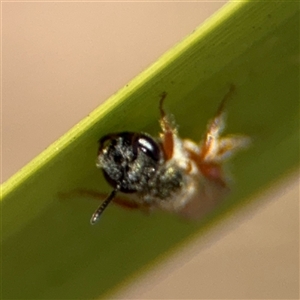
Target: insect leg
x,y
215,149
125,203
209,147
168,131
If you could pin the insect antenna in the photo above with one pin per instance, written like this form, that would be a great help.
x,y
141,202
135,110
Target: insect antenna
x,y
97,214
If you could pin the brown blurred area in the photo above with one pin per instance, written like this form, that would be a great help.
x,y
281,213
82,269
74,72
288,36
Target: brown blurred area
x,y
61,60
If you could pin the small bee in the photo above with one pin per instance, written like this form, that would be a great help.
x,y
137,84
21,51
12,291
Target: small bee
x,y
169,173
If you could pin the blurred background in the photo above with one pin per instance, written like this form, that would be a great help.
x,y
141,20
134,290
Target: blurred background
x,y
61,60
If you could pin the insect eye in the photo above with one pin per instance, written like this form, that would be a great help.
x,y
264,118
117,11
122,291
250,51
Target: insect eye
x,y
149,147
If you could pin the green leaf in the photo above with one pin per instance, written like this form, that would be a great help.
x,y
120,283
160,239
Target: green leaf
x,y
49,249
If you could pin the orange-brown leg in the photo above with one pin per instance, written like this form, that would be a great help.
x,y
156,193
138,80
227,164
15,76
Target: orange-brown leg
x,y
167,130
215,128
215,149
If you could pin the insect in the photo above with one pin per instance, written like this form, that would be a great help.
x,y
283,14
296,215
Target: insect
x,y
169,173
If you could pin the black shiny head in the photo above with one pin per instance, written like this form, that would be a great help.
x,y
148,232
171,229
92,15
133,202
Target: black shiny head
x,y
129,160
